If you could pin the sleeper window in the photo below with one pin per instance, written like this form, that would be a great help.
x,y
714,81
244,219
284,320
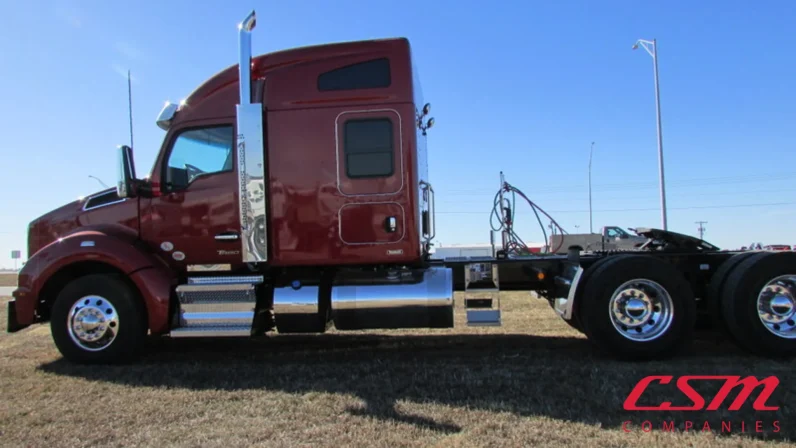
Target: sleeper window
x,y
369,148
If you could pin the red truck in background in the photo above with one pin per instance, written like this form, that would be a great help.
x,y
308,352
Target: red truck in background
x,y
292,193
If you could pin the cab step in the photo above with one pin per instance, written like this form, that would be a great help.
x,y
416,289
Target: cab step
x,y
482,295
214,331
216,306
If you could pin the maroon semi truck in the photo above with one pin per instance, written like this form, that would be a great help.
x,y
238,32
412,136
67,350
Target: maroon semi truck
x,y
292,193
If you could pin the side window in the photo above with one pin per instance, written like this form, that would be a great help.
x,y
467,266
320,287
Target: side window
x,y
612,232
364,75
199,152
368,146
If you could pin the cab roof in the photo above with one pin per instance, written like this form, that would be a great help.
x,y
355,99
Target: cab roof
x,y
264,63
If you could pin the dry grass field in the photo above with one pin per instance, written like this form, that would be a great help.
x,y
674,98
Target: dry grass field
x,y
8,279
532,382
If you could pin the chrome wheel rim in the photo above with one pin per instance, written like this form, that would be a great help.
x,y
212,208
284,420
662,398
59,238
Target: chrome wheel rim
x,y
776,306
641,310
93,323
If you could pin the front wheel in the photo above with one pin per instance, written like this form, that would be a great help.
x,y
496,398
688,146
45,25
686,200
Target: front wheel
x,y
638,307
98,319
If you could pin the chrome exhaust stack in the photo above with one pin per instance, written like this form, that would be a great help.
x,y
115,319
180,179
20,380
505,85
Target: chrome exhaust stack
x,y
416,299
245,60
251,156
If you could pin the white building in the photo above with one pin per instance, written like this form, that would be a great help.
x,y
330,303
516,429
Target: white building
x,y
470,250
462,250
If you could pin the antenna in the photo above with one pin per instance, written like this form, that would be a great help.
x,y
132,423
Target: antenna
x,y
130,105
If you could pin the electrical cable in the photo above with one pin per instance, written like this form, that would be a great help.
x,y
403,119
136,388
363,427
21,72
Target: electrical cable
x,y
506,211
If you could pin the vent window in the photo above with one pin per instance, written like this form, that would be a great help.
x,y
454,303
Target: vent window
x,y
102,199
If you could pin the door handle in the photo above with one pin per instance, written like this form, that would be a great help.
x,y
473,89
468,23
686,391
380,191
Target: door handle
x,y
390,224
227,236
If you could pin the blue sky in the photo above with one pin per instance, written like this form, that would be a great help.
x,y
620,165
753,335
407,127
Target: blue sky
x,y
522,87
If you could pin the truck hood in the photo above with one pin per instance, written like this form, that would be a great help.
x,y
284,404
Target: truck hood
x,y
99,211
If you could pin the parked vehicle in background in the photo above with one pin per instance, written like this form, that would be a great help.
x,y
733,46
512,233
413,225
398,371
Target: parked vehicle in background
x,y
610,238
777,247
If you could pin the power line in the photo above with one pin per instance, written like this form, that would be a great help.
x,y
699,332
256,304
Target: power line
x,y
702,207
689,193
695,182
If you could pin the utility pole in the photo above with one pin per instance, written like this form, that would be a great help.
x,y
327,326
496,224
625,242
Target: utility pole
x,y
654,53
130,104
701,228
591,150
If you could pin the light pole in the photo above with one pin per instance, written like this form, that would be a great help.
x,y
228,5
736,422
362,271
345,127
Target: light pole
x,y
590,214
98,180
654,53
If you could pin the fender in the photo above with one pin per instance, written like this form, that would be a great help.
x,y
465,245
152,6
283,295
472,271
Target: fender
x,y
115,249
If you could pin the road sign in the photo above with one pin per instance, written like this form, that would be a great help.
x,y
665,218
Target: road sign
x,y
16,254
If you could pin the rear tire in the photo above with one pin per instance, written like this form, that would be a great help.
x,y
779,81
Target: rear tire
x,y
576,321
638,307
714,319
759,304
98,319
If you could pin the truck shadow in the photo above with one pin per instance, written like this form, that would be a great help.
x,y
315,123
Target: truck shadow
x,y
557,377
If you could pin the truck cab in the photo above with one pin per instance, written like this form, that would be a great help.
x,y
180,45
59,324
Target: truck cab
x,y
291,190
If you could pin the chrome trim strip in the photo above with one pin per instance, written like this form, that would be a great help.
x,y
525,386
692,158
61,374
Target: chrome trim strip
x,y
228,237
340,223
253,279
337,150
214,287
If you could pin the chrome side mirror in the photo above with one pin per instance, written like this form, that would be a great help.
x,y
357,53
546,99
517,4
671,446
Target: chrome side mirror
x,y
125,186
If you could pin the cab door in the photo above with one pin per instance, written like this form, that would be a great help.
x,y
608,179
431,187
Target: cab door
x,y
370,177
195,218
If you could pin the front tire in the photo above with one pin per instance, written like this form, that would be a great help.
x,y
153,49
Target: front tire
x,y
638,307
98,319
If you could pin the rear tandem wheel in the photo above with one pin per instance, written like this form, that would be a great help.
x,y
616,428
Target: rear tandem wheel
x,y
712,317
758,304
638,307
574,322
